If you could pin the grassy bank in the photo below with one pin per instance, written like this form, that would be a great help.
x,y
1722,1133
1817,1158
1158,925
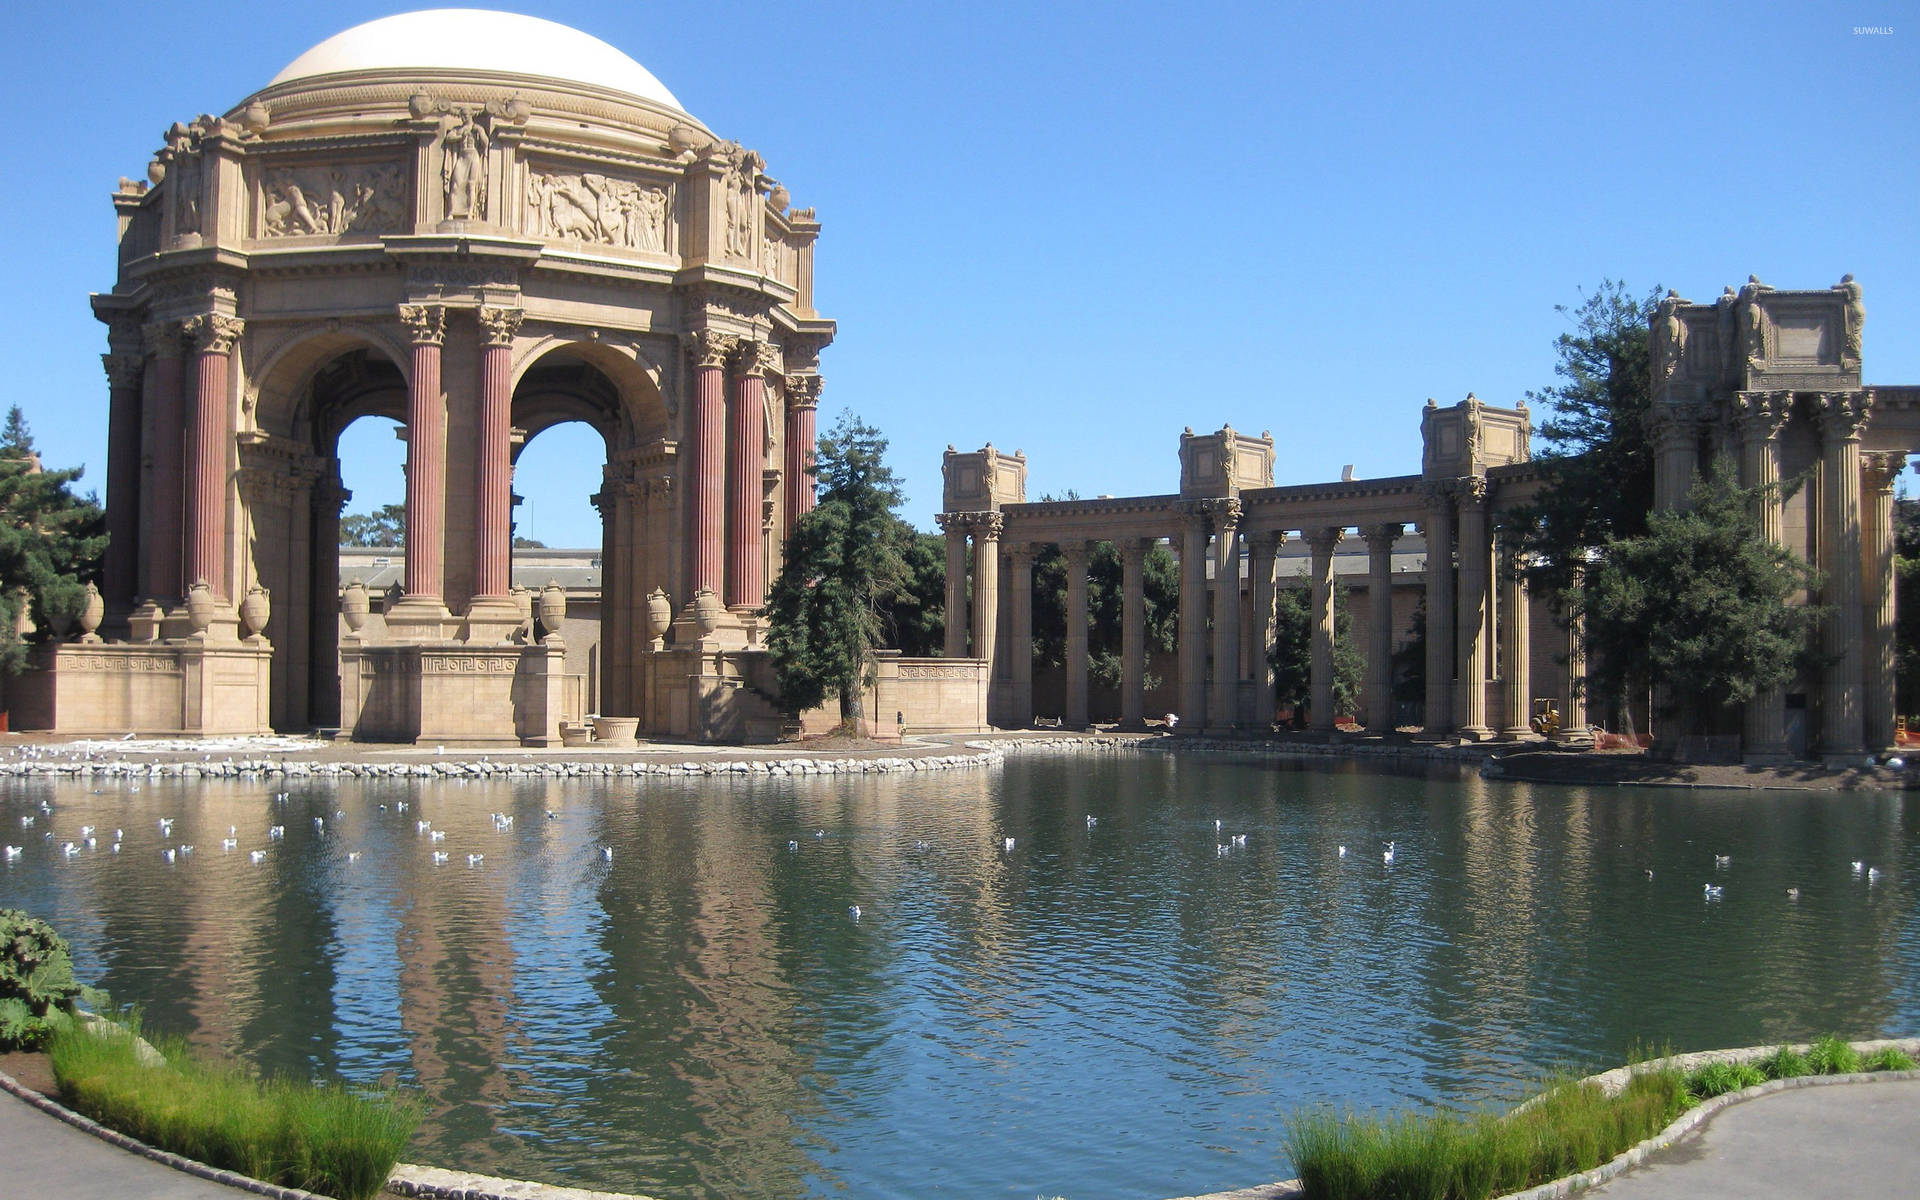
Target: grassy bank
x,y
1573,1126
322,1138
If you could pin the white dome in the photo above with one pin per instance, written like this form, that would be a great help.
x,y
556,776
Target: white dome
x,y
474,39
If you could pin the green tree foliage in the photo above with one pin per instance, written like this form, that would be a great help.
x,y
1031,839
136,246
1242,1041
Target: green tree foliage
x,y
1160,584
1594,457
50,540
1291,654
916,616
1410,660
1906,637
846,565
384,527
1699,603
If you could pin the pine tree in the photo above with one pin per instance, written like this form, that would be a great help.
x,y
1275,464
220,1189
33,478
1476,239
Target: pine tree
x,y
1700,603
846,563
1291,654
51,541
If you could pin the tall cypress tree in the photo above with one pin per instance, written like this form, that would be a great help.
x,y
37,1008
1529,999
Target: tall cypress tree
x,y
51,541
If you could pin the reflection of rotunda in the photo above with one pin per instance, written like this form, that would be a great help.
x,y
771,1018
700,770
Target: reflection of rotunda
x,y
480,225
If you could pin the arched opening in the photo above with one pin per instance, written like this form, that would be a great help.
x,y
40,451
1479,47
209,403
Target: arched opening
x,y
328,410
573,404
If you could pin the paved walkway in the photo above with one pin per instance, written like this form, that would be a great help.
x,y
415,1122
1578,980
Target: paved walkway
x,y
46,1158
1839,1142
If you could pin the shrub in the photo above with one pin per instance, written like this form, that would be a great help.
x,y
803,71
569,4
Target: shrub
x,y
1831,1056
37,987
325,1138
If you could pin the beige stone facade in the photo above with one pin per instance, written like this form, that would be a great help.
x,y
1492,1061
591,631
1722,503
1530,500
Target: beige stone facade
x,y
477,250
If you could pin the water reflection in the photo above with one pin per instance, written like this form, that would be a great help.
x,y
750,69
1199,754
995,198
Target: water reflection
x,y
1117,1009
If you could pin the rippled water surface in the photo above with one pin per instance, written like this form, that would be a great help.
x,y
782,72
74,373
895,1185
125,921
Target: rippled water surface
x,y
1116,1009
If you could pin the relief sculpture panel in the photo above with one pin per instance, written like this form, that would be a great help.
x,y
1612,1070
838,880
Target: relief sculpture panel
x,y
334,199
598,210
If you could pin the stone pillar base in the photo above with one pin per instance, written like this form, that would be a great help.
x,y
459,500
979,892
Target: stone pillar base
x,y
1840,760
419,619
187,687
1522,733
490,620
1767,756
144,622
452,693
1474,733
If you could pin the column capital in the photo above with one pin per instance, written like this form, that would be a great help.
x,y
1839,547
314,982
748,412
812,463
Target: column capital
x,y
499,325
1761,415
1673,428
1266,541
161,339
1134,549
1878,469
803,390
1844,415
1381,537
987,526
1077,553
756,358
951,523
213,333
710,348
123,368
1221,511
1324,539
1469,490
426,324
1020,553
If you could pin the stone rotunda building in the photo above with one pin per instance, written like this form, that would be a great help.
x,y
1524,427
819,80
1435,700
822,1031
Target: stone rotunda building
x,y
479,225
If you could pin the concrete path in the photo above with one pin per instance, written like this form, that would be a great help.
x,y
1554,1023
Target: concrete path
x,y
46,1158
1840,1142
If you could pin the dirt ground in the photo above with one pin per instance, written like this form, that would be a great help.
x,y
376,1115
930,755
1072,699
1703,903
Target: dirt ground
x,y
31,1070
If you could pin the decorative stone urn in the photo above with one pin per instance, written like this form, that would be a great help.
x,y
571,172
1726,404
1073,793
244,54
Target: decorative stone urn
x,y
659,613
355,605
553,609
92,611
616,731
255,610
201,606
707,611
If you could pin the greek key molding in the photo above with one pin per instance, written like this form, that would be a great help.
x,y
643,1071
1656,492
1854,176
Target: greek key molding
x,y
920,671
469,664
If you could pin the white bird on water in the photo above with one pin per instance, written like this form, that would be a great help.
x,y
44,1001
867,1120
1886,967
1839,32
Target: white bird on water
x,y
1343,852
13,852
1239,839
69,849
1793,893
792,846
166,826
437,835
1720,861
1712,891
353,856
258,857
474,860
1858,866
1216,824
853,910
1006,847
276,832
229,844
26,822
606,852
167,854
319,825
1873,875
422,826
1386,856
1092,821
86,831
1220,850
439,856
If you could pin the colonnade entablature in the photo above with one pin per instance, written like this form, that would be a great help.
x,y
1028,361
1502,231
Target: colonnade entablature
x,y
1227,526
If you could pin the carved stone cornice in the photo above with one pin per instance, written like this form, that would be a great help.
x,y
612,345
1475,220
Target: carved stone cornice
x,y
213,333
161,339
1844,415
1761,416
803,391
499,325
426,324
123,369
710,348
1324,539
1384,535
1878,470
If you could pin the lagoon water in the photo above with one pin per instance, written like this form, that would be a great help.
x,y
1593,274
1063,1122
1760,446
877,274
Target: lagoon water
x,y
1115,1009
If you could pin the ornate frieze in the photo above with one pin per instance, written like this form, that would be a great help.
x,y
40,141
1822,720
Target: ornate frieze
x,y
213,333
598,210
426,324
332,199
143,661
276,470
936,671
469,664
498,325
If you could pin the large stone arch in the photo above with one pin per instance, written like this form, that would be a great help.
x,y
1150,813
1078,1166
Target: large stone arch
x,y
310,388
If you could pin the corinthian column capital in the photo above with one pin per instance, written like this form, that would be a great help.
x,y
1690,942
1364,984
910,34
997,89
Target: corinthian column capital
x,y
1322,541
498,325
710,348
1879,469
426,324
803,391
213,333
123,369
161,339
1761,415
1844,415
756,358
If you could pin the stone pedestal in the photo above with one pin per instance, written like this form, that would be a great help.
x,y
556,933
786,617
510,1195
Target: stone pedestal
x,y
491,620
452,693
199,686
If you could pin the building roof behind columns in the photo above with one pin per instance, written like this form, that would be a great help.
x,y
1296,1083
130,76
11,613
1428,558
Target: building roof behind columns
x,y
478,40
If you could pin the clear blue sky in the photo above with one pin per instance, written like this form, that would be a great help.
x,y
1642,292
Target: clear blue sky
x,y
1077,228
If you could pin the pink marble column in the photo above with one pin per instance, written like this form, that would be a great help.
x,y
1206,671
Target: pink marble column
x,y
707,500
803,408
747,435
166,397
493,462
426,453
1843,417
119,570
1878,472
214,336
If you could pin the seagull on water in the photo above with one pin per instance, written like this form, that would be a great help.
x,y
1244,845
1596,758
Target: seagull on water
x,y
1238,839
276,832
1092,821
792,846
853,910
1386,856
353,856
229,844
474,860
13,852
69,849
1007,846
1793,893
606,852
1858,866
167,854
1712,891
1873,875
258,857
1220,850
437,835
439,856
1720,861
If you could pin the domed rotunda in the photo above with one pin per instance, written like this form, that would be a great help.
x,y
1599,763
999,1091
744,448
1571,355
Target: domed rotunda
x,y
479,225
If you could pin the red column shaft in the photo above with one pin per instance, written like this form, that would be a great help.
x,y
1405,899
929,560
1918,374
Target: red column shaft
x,y
801,434
426,475
709,476
746,582
493,476
206,515
118,570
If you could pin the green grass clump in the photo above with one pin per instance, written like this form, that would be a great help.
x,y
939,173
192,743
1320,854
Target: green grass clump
x,y
1717,1079
1445,1156
1892,1058
1784,1063
1831,1056
323,1138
